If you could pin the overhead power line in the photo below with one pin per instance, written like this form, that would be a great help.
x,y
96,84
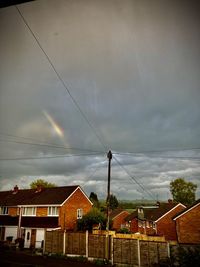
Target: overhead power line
x,y
50,146
134,179
49,157
62,81
158,156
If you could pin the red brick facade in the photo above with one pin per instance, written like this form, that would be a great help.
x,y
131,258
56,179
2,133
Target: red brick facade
x,y
166,226
188,225
119,220
68,212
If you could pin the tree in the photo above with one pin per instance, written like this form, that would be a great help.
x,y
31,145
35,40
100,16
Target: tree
x,y
42,183
183,191
94,216
113,202
93,197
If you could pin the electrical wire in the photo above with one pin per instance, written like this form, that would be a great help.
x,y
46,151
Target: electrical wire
x,y
61,80
50,146
49,157
134,179
160,156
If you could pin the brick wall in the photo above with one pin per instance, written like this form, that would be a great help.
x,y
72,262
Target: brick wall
x,y
68,212
166,225
13,211
188,226
41,211
134,226
119,220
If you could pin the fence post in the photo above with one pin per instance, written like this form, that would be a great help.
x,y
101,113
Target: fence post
x,y
112,249
64,242
138,249
87,244
44,243
168,250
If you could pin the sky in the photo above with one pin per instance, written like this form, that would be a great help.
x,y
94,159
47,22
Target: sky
x,y
79,78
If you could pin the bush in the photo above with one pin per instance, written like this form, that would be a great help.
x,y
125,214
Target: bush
x,y
124,231
188,256
92,217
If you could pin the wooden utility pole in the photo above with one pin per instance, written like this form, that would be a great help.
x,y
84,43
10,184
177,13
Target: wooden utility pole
x,y
109,156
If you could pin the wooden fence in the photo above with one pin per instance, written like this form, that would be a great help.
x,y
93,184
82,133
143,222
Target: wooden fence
x,y
127,251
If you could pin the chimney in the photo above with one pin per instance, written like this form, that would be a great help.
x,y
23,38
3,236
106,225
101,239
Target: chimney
x,y
38,189
15,190
158,203
170,201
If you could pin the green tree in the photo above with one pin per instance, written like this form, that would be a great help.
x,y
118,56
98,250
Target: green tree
x,y
113,202
42,183
93,197
183,191
94,216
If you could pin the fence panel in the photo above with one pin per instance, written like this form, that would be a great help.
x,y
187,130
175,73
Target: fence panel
x,y
54,242
152,252
125,251
75,243
96,245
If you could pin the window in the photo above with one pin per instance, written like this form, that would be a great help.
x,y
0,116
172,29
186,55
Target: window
x,y
3,210
29,211
79,213
52,211
154,225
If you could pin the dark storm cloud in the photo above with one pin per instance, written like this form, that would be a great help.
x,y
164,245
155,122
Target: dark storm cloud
x,y
133,69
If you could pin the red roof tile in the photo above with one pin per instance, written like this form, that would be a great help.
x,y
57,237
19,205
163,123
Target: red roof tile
x,y
47,196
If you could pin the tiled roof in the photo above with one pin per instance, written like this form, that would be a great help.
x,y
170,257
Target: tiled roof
x,y
156,213
47,196
153,214
132,216
116,212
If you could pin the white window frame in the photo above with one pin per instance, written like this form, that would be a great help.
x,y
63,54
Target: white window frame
x,y
53,211
29,211
3,210
79,214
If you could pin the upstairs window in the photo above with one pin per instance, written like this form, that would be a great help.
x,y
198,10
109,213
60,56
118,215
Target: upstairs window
x,y
52,211
79,213
3,210
29,211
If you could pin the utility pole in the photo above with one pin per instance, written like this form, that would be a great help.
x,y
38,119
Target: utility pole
x,y
109,156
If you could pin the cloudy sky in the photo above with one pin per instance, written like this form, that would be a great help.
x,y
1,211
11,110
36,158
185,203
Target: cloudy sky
x,y
80,77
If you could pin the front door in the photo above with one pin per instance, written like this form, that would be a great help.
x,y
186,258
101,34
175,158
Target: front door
x,y
30,238
33,238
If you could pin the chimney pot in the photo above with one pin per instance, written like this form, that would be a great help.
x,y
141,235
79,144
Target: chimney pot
x,y
16,189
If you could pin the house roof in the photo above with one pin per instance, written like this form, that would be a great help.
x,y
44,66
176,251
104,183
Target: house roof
x,y
47,196
196,203
116,213
154,214
131,216
157,213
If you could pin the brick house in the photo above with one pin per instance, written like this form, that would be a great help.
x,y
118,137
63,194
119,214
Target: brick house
x,y
28,212
156,220
188,224
118,218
